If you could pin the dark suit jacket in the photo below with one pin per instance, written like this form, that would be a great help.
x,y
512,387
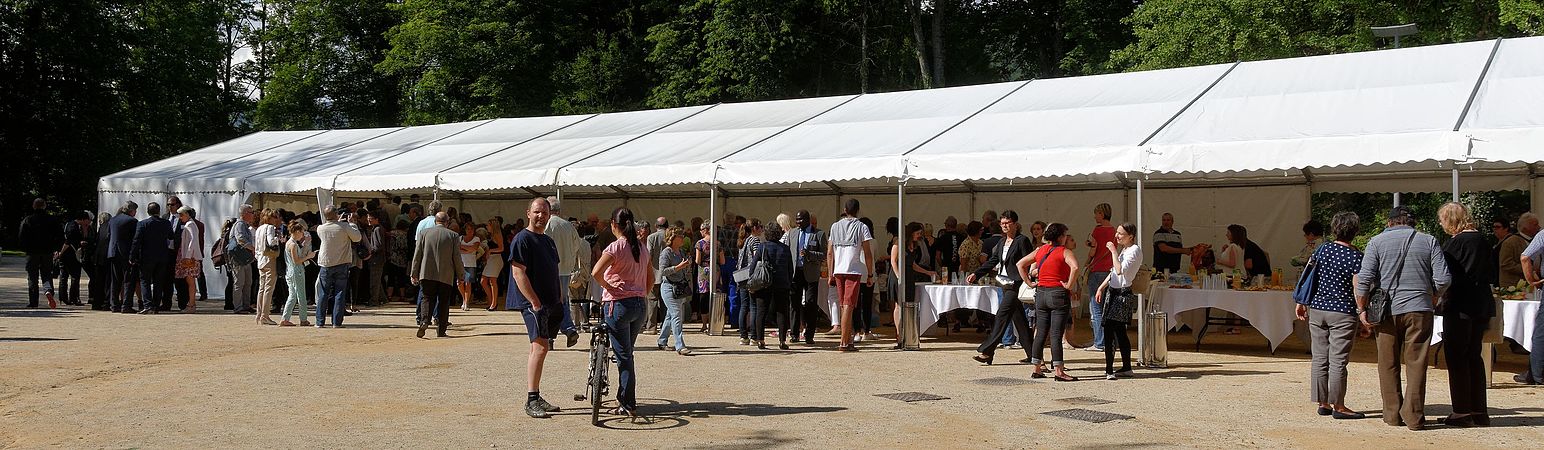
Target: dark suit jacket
x,y
151,237
122,235
177,237
104,236
1019,247
814,251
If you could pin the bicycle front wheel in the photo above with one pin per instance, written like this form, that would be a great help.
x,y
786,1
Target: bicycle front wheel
x,y
598,361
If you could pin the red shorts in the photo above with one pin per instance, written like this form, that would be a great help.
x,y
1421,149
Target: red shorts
x,y
847,287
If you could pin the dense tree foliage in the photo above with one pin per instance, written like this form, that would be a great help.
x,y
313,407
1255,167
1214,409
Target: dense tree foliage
x,y
90,87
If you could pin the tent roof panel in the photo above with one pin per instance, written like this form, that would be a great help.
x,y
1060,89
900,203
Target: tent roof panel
x,y
416,168
685,151
535,162
1095,111
319,171
153,176
228,176
1507,117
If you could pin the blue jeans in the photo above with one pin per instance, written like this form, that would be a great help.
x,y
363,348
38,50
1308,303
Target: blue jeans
x,y
1096,310
675,304
1536,357
625,318
334,295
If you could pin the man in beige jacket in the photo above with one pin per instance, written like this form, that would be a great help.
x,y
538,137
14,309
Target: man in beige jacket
x,y
436,261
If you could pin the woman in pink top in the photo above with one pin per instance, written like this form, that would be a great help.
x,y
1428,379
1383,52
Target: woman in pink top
x,y
623,272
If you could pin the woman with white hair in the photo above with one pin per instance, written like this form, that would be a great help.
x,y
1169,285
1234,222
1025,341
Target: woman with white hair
x,y
190,255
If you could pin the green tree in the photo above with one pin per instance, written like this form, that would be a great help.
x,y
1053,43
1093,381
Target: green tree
x,y
320,58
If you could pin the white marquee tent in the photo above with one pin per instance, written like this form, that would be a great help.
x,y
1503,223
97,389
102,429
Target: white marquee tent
x,y
1232,143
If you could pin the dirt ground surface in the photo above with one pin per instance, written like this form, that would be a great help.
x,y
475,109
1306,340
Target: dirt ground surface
x,y
77,378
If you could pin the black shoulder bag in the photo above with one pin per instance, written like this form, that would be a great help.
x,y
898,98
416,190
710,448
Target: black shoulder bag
x,y
1380,302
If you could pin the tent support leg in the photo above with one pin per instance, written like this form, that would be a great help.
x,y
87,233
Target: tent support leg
x,y
907,327
1141,312
716,309
1455,183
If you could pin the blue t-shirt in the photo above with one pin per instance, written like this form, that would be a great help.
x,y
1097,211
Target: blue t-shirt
x,y
1336,265
539,254
1535,251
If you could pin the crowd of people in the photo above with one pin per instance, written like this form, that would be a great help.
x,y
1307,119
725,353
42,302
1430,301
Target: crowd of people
x,y
656,277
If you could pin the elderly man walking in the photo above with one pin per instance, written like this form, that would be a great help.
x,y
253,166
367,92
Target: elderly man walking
x,y
436,262
335,257
1407,267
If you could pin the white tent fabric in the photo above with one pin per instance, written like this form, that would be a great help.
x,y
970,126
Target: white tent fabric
x,y
318,172
230,175
154,176
1067,126
687,151
862,139
418,167
535,162
1368,108
1506,121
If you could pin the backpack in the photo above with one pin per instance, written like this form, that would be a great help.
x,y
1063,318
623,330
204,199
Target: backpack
x,y
217,253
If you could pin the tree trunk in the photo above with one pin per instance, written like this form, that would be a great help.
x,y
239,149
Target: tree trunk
x,y
863,56
924,75
939,8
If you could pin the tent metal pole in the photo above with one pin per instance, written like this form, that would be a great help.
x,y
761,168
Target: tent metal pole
x,y
1455,183
1142,310
906,328
1396,199
715,307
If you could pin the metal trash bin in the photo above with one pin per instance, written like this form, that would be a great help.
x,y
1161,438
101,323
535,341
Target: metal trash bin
x,y
907,329
1155,333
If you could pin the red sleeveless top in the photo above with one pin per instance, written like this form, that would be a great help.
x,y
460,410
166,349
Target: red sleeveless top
x,y
1054,270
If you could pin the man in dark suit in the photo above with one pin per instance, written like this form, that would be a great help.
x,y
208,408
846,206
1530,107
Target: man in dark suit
x,y
1002,263
122,229
808,245
149,253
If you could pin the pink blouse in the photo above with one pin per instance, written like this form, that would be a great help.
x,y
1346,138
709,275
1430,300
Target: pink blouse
x,y
628,277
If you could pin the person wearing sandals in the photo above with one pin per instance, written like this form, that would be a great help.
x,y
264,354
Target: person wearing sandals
x,y
623,273
674,288
190,256
297,253
851,263
1331,315
1057,270
1116,300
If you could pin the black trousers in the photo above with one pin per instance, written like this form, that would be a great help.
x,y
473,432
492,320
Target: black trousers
x,y
124,284
775,302
101,285
1461,339
805,306
69,280
1010,312
437,298
1115,336
40,269
152,285
164,275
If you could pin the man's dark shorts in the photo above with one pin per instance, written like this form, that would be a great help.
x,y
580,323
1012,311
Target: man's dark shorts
x,y
543,324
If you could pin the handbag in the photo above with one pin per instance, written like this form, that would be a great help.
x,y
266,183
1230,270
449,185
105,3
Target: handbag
x,y
1380,303
753,277
1119,304
1027,287
1308,283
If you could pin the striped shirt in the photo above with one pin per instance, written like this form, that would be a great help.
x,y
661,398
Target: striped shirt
x,y
1425,273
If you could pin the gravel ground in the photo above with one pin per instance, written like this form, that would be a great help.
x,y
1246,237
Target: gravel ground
x,y
78,378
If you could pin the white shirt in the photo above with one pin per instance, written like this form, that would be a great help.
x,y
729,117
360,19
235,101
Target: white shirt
x,y
573,252
190,248
265,235
469,259
1129,260
1003,266
847,239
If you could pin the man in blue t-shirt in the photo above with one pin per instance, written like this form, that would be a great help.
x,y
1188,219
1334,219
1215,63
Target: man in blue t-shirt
x,y
533,271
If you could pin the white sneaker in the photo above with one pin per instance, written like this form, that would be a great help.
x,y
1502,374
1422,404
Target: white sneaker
x,y
1109,376
857,338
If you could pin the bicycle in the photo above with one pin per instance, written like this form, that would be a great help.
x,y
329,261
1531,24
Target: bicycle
x,y
597,386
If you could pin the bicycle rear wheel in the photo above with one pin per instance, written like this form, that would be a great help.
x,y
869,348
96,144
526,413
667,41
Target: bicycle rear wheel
x,y
598,362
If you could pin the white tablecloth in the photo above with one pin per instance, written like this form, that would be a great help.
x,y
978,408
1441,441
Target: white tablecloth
x,y
1517,318
1270,312
939,298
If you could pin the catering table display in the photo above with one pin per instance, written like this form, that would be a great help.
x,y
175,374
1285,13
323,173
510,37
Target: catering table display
x,y
935,299
1516,318
1269,311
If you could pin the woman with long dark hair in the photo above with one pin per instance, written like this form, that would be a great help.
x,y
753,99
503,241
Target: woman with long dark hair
x,y
1055,270
1118,302
914,267
750,250
623,273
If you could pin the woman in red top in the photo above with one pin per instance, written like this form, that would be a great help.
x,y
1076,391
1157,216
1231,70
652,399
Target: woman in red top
x,y
1057,272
